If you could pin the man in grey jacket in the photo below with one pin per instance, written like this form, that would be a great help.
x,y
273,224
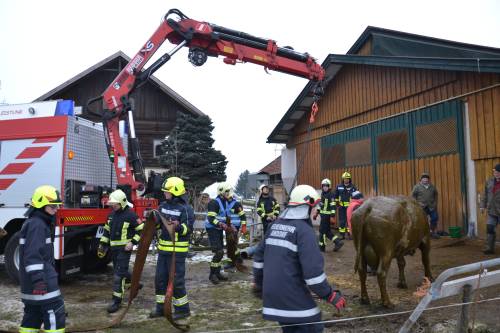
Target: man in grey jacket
x,y
426,195
490,201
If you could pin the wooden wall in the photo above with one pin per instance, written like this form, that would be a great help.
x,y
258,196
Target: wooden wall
x,y
154,111
361,94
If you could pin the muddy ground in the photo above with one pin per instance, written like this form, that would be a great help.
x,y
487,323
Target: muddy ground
x,y
231,305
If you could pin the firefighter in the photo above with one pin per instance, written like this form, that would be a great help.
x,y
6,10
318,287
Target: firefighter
x,y
178,212
327,212
343,193
288,266
40,292
267,207
121,233
215,224
238,220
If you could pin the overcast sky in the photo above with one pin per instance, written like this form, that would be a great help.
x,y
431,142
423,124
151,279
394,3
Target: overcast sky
x,y
45,43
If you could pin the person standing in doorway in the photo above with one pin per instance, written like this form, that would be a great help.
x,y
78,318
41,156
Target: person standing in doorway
x,y
490,202
426,195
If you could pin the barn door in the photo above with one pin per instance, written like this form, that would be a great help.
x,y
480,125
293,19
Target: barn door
x,y
427,140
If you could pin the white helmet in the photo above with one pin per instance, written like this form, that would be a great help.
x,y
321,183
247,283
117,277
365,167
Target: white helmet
x,y
119,197
326,181
304,195
224,187
261,187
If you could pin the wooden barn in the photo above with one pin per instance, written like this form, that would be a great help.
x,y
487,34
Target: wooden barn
x,y
397,105
156,105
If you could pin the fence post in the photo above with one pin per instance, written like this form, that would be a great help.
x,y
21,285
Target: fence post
x,y
463,318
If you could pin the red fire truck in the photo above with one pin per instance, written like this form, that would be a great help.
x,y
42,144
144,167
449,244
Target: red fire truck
x,y
87,160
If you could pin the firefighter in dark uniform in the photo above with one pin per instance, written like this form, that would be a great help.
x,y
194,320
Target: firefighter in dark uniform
x,y
267,207
288,266
215,224
43,302
178,212
327,212
238,220
343,194
121,233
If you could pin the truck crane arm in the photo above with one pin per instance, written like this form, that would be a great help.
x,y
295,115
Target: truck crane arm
x,y
203,40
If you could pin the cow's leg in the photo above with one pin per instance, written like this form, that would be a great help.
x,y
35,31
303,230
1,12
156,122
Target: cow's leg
x,y
425,248
401,266
383,268
362,279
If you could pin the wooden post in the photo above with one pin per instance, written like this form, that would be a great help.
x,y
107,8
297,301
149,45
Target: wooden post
x,y
463,318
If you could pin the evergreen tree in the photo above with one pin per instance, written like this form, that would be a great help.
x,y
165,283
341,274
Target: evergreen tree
x,y
188,153
242,185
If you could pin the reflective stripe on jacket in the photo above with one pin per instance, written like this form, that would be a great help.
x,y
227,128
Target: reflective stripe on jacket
x,y
179,210
236,212
122,227
288,265
327,204
216,212
36,259
267,207
343,194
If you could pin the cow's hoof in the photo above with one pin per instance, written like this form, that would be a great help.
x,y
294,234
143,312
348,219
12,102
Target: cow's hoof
x,y
365,301
402,285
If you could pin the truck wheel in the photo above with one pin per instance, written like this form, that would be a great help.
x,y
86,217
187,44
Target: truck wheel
x,y
12,257
91,263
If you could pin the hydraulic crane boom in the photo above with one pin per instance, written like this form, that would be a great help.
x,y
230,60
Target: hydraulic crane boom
x,y
203,39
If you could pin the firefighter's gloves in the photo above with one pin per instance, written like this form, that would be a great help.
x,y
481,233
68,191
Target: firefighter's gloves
x,y
40,288
102,250
129,246
256,290
243,229
337,300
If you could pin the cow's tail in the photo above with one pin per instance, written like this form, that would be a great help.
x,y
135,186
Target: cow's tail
x,y
359,219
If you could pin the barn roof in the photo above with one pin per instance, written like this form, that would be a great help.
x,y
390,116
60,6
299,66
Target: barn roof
x,y
154,80
391,48
272,168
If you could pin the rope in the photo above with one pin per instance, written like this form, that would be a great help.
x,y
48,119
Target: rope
x,y
354,318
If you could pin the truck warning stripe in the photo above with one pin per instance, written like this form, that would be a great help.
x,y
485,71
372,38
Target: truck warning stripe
x,y
78,218
5,183
15,168
33,152
45,140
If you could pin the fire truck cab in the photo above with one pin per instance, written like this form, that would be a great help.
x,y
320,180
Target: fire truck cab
x,y
47,143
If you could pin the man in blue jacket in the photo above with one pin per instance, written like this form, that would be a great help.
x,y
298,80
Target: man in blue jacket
x,y
40,292
288,265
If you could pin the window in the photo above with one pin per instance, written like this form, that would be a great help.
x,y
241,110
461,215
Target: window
x,y
333,157
358,153
157,147
437,138
392,146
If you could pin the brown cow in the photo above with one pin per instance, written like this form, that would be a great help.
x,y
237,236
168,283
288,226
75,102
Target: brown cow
x,y
384,228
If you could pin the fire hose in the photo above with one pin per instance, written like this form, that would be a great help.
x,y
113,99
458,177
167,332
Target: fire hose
x,y
142,252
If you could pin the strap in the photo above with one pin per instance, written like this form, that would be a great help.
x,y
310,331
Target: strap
x,y
232,246
167,306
